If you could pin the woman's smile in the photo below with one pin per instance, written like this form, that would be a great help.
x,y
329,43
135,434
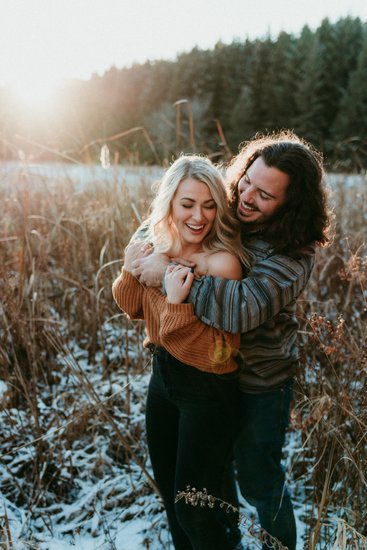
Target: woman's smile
x,y
193,212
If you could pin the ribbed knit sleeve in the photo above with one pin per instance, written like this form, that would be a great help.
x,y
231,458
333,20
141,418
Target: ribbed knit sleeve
x,y
176,327
128,294
193,342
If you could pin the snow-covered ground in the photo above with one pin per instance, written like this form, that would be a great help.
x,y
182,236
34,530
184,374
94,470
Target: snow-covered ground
x,y
82,176
83,488
85,175
91,492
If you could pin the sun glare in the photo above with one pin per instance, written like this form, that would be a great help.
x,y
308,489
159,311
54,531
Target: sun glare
x,y
33,93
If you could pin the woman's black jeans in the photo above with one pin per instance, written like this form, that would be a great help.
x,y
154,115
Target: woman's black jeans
x,y
191,419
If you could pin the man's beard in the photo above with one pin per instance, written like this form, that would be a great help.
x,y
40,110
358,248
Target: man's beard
x,y
250,228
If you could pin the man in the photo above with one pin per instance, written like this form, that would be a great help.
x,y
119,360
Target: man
x,y
277,193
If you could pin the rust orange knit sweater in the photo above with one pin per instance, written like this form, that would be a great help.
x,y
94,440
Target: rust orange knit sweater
x,y
175,327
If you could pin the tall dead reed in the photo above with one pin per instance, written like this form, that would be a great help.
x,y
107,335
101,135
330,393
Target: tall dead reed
x,y
331,407
60,251
65,350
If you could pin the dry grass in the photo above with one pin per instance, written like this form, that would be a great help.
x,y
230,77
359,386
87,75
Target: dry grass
x,y
61,334
60,251
331,409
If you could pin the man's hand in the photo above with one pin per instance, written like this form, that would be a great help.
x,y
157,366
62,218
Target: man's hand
x,y
178,282
150,268
133,251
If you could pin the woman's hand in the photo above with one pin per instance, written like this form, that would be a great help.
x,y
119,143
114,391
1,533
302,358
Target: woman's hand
x,y
178,281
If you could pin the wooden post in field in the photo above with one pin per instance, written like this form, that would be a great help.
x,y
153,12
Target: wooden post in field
x,y
178,122
191,126
178,104
223,140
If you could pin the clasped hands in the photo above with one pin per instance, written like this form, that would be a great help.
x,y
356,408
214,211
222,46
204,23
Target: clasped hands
x,y
149,267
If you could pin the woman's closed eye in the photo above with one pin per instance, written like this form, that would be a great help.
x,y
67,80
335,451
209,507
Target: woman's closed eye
x,y
206,207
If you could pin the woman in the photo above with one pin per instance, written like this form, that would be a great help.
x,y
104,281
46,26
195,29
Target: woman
x,y
192,397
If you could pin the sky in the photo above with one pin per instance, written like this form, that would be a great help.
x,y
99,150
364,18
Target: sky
x,y
43,42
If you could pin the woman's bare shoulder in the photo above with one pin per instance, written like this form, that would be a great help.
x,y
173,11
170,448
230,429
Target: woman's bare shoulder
x,y
224,264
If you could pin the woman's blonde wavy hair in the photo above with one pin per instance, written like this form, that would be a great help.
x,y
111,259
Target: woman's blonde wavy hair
x,y
162,232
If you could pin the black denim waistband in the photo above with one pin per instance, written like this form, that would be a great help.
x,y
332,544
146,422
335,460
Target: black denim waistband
x,y
157,350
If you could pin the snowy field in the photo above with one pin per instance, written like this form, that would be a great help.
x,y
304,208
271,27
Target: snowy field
x,y
74,466
82,176
107,503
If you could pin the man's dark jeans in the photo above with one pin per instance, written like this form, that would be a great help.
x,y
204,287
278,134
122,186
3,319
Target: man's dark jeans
x,y
191,418
264,419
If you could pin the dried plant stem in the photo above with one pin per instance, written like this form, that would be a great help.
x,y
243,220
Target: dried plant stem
x,y
194,497
324,498
82,377
48,149
123,134
5,533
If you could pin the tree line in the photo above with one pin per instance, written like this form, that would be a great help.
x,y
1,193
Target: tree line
x,y
209,101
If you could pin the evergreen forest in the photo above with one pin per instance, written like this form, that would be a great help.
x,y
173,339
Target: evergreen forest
x,y
209,101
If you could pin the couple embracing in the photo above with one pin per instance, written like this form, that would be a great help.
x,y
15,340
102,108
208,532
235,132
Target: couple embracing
x,y
215,272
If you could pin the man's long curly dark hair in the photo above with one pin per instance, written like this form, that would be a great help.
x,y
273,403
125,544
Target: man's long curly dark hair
x,y
305,217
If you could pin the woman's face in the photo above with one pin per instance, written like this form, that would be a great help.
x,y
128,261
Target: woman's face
x,y
193,211
261,192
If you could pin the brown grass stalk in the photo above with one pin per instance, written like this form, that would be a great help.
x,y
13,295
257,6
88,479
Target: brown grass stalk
x,y
61,249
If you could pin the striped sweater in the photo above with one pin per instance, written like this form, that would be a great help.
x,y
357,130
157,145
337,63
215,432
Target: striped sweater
x,y
262,307
176,328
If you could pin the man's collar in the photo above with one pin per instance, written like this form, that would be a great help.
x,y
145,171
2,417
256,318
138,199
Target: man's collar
x,y
252,229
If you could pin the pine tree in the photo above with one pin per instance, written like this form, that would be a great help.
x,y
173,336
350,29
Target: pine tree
x,y
252,111
350,128
326,70
280,103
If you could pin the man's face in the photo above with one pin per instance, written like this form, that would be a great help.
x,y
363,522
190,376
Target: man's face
x,y
261,192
